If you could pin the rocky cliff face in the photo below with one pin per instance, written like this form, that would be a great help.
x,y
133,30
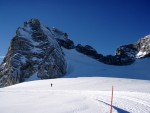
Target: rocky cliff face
x,y
140,49
62,38
89,51
143,47
33,51
129,51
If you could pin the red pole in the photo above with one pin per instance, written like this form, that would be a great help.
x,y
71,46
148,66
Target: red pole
x,y
111,100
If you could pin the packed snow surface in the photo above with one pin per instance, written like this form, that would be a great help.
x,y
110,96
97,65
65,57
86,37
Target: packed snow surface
x,y
86,88
77,95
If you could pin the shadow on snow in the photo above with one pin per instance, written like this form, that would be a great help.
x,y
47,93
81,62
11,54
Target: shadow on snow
x,y
116,108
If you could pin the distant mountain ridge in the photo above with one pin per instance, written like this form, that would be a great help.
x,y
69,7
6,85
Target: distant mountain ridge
x,y
125,54
37,51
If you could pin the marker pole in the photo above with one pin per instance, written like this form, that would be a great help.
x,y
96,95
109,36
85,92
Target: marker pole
x,y
111,100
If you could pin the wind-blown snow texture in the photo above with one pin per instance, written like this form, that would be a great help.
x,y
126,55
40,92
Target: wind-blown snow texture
x,y
82,94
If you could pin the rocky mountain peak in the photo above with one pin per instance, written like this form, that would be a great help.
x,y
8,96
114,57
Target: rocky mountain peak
x,y
34,23
33,51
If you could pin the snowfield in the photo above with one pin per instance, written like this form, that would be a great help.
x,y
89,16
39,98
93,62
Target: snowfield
x,y
86,88
80,65
76,95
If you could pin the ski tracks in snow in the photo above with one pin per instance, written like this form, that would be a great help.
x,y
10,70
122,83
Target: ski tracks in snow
x,y
126,102
123,102
77,101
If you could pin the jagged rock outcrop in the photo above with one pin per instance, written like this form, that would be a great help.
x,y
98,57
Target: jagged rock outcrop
x,y
127,54
117,60
143,47
129,51
62,39
140,49
123,55
34,51
89,51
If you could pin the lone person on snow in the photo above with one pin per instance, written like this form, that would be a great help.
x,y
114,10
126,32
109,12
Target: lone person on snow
x,y
51,84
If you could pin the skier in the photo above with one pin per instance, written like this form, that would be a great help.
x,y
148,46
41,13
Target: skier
x,y
51,84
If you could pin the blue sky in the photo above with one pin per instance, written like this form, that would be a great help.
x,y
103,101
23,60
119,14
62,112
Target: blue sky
x,y
103,24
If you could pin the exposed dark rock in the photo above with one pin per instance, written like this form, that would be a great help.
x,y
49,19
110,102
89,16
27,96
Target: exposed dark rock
x,y
125,55
127,51
143,47
140,49
34,51
117,60
88,50
63,39
68,44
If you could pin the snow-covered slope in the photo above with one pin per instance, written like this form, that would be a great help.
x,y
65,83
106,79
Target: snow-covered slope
x,y
76,95
86,88
80,65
